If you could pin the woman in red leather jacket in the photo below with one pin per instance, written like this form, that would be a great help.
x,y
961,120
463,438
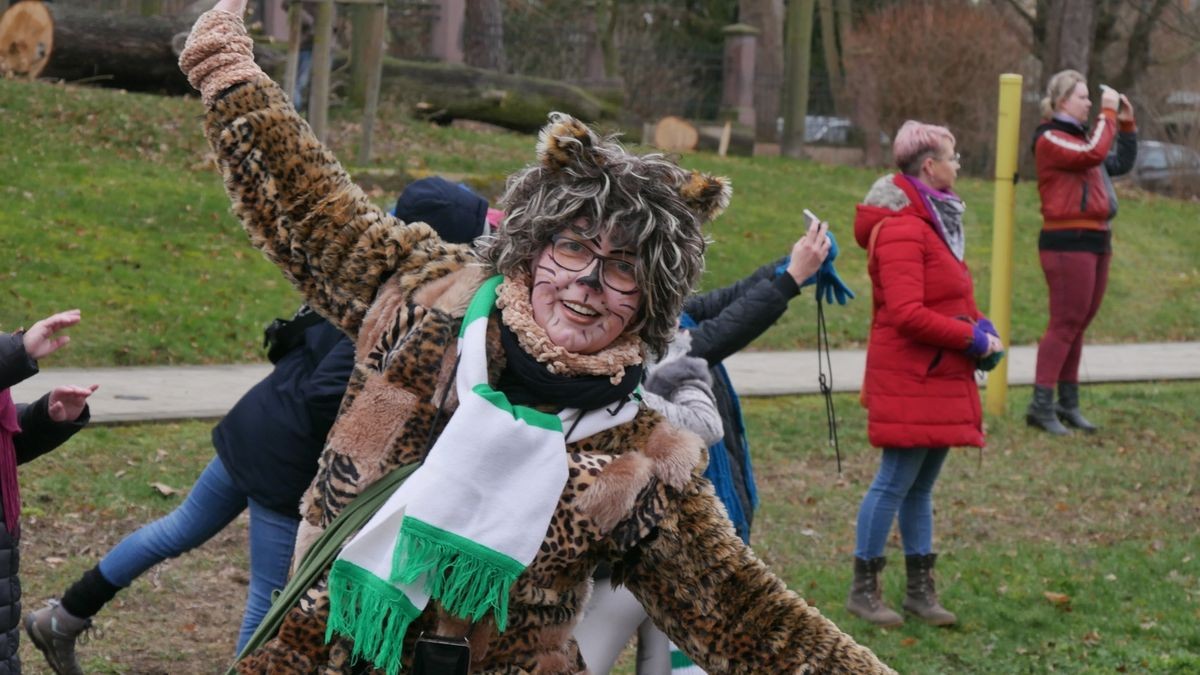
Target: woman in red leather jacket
x,y
1074,164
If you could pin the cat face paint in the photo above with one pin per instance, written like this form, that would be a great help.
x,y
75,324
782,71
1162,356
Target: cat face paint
x,y
578,311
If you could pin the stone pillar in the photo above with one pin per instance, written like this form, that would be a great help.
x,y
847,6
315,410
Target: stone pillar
x,y
447,43
737,85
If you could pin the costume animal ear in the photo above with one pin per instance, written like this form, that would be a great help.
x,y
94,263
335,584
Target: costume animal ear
x,y
707,195
563,142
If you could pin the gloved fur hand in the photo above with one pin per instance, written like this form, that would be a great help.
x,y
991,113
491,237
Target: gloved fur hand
x,y
668,375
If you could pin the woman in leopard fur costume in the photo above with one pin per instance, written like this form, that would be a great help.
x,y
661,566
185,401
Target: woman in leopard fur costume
x,y
589,271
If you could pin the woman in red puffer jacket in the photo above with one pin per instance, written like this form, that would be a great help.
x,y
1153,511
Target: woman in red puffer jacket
x,y
927,339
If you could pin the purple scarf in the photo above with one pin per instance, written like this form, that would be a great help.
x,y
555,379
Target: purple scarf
x,y
9,492
947,211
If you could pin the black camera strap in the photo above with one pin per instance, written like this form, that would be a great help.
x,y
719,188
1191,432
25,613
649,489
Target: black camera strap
x,y
283,335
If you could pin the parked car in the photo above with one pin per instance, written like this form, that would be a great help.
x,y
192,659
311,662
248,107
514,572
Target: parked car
x,y
1167,168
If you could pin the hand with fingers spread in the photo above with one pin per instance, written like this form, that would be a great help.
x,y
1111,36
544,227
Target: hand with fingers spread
x,y
40,339
67,402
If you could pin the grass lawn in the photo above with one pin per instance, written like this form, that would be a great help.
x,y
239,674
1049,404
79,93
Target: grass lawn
x,y
109,202
1079,555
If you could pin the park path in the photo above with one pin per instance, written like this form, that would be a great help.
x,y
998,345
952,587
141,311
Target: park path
x,y
136,394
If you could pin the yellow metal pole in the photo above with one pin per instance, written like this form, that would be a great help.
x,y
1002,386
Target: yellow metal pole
x,y
1008,130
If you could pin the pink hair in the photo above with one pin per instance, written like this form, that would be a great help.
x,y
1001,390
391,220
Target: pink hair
x,y
916,139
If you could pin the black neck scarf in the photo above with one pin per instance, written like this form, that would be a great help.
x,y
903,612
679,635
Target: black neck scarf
x,y
525,381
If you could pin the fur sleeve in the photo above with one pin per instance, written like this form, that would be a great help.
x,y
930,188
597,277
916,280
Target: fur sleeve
x,y
724,608
299,207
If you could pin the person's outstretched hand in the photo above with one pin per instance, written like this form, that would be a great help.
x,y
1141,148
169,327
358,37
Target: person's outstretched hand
x,y
235,7
67,402
40,339
809,252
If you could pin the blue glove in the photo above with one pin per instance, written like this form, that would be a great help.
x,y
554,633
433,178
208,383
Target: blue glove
x,y
833,250
831,285
826,269
992,360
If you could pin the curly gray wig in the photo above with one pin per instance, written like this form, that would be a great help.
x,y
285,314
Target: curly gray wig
x,y
645,202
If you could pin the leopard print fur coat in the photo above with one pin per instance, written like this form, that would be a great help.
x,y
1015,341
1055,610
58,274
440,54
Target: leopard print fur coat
x,y
635,497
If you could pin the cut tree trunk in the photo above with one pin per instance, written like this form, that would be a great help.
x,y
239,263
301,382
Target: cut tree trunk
x,y
139,53
444,92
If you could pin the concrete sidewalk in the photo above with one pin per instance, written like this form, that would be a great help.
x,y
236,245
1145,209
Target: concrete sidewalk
x,y
137,394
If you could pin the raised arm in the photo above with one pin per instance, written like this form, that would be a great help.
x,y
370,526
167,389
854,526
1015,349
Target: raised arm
x,y
292,196
718,602
704,306
15,363
1060,150
45,425
1121,162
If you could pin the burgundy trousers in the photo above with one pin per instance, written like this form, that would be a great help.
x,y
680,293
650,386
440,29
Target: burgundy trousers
x,y
1077,280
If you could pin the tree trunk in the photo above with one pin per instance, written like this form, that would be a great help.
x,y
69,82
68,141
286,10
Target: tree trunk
x,y
608,15
50,40
1068,37
831,47
767,17
483,35
446,91
360,30
1137,52
799,50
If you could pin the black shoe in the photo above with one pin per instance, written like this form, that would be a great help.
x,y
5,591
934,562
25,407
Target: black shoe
x,y
1068,408
1041,412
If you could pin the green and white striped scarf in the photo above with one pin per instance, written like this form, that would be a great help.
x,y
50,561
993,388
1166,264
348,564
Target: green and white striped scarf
x,y
466,524
681,664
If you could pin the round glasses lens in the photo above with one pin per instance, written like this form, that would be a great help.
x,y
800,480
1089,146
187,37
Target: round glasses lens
x,y
620,275
571,254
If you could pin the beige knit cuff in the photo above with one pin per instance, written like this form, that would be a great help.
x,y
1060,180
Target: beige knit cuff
x,y
218,54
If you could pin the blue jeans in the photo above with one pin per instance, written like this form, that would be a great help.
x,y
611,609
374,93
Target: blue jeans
x,y
903,485
213,502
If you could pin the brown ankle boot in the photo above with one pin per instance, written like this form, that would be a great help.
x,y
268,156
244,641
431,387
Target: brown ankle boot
x,y
921,598
866,595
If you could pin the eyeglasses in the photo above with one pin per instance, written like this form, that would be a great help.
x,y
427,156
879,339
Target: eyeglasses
x,y
573,255
956,158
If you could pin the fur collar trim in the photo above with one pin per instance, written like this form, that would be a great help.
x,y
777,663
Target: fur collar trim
x,y
517,313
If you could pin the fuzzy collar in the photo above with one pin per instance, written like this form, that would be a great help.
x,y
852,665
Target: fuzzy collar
x,y
516,311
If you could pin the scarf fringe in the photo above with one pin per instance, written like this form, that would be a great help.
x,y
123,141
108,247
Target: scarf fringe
x,y
373,613
468,579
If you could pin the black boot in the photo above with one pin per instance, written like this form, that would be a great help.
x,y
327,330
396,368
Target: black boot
x,y
1041,412
866,594
921,596
1068,407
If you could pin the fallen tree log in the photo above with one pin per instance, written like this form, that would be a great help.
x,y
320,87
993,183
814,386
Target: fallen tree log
x,y
47,40
139,53
444,92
